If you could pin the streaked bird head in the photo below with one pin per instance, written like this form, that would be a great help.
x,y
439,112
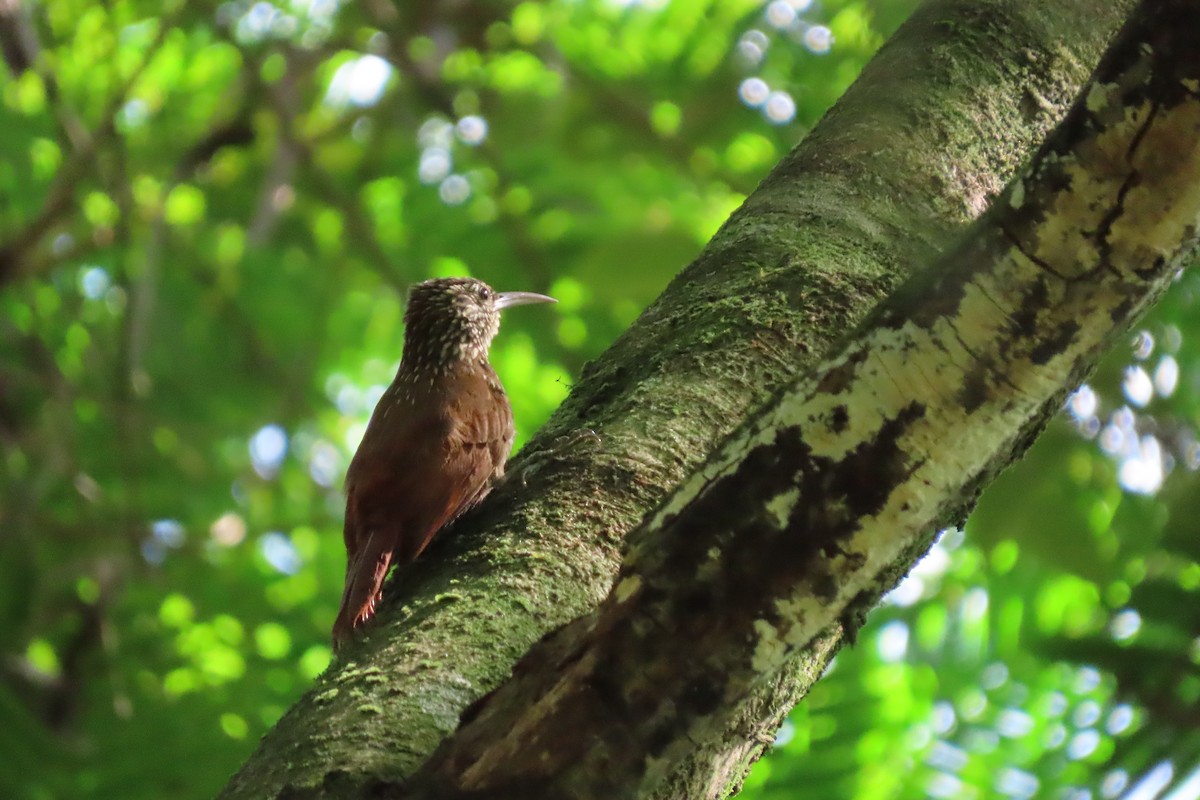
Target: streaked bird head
x,y
450,320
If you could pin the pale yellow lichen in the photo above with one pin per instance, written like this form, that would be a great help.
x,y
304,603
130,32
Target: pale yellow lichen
x,y
770,650
1017,198
781,505
627,588
1097,97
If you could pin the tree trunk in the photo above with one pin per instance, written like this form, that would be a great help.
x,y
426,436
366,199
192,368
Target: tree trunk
x,y
737,589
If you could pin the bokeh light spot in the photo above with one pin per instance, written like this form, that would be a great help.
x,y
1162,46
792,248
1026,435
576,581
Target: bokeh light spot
x,y
234,726
454,190
472,129
268,447
754,92
780,108
1137,386
360,82
818,39
279,552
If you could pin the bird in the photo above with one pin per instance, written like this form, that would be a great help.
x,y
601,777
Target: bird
x,y
436,442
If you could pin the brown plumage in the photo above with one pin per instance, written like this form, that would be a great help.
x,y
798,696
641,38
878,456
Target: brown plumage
x,y
437,439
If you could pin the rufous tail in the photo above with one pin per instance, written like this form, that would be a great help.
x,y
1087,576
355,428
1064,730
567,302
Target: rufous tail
x,y
364,584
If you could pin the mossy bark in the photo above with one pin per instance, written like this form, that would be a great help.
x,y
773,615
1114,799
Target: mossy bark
x,y
934,128
806,510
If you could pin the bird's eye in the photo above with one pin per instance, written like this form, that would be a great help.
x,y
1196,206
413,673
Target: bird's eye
x,y
485,293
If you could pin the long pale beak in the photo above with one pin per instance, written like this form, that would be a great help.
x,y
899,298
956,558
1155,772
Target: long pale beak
x,y
510,299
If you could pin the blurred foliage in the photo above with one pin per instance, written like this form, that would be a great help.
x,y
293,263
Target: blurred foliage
x,y
210,215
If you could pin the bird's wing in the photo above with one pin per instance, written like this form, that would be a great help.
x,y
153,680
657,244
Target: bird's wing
x,y
393,491
484,424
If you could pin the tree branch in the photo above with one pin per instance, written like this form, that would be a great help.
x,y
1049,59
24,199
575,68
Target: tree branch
x,y
844,474
830,232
